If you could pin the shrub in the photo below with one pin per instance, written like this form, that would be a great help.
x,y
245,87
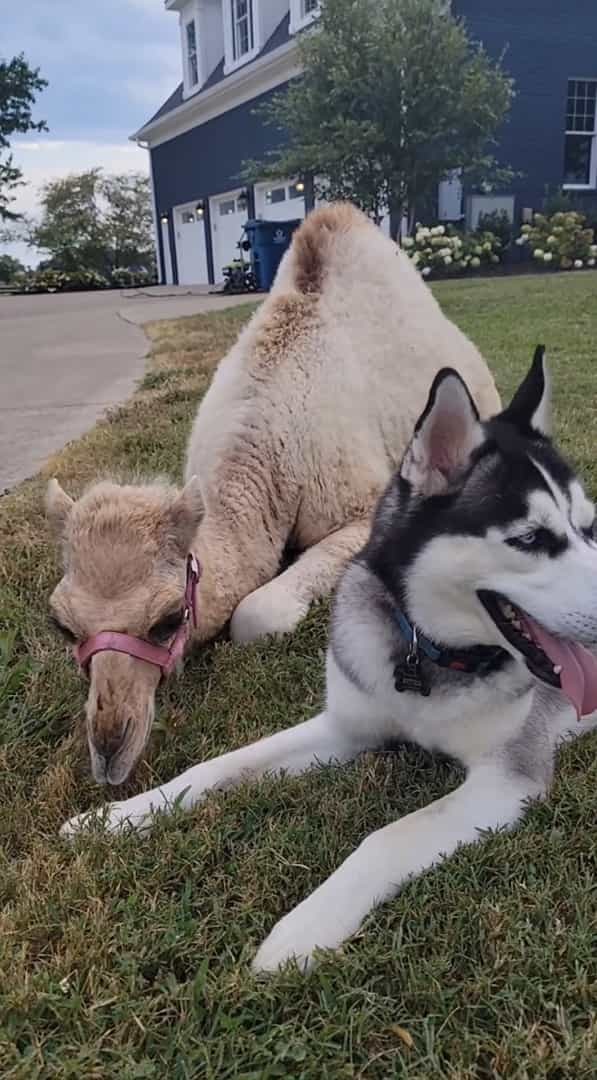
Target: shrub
x,y
442,250
560,241
50,281
497,223
124,278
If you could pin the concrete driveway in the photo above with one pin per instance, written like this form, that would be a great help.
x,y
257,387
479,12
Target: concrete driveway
x,y
65,359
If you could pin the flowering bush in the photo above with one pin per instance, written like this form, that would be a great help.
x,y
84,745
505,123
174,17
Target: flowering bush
x,y
560,240
124,278
443,250
50,281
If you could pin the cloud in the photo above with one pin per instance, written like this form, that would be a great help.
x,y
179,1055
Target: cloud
x,y
109,67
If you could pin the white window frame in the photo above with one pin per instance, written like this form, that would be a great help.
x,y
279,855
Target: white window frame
x,y
299,18
232,62
191,84
592,184
188,13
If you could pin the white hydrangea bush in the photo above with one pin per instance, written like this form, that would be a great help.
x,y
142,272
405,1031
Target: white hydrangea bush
x,y
561,241
441,250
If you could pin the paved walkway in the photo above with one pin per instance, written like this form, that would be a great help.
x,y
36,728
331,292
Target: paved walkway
x,y
65,359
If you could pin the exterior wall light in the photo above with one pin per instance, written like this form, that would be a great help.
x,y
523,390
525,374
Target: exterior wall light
x,y
200,209
243,200
164,219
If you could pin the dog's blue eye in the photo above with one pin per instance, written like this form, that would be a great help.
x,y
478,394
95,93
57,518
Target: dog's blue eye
x,y
540,540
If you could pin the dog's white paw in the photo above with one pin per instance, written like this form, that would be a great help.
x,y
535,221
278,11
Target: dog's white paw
x,y
272,609
113,818
297,936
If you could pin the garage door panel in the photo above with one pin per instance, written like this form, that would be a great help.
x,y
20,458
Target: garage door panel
x,y
191,252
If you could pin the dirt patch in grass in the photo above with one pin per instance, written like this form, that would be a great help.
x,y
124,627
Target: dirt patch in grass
x,y
129,958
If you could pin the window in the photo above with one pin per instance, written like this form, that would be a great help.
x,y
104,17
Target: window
x,y
187,217
228,206
302,14
276,195
192,66
580,156
242,27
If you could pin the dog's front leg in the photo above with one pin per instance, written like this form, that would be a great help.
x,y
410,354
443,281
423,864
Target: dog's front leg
x,y
491,797
321,740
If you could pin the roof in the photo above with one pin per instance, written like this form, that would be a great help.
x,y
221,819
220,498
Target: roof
x,y
279,37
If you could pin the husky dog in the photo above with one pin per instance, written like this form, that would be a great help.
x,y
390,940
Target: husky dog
x,y
461,626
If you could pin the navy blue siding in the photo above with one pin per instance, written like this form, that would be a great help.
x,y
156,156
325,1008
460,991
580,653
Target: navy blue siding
x,y
545,42
208,160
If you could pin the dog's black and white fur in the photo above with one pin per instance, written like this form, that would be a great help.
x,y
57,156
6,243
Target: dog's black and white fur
x,y
482,523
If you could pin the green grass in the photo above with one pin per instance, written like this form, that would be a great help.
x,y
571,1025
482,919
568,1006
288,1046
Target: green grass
x,y
129,957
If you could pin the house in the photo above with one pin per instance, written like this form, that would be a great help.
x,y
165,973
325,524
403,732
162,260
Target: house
x,y
236,54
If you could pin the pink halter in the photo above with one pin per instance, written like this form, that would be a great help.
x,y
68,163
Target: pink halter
x,y
166,658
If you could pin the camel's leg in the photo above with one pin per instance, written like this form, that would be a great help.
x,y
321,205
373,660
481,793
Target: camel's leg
x,y
278,607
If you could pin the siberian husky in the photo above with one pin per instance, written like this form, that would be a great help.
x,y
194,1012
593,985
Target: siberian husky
x,y
461,626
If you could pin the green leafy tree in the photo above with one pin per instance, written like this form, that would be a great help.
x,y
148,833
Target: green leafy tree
x,y
128,220
393,97
71,228
94,222
9,267
19,85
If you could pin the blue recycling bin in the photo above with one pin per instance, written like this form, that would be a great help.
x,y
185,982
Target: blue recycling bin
x,y
269,240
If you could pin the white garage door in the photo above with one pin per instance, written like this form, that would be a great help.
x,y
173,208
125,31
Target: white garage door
x,y
228,215
280,201
191,254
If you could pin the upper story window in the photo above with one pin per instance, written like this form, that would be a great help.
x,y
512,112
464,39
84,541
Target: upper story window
x,y
242,28
580,156
191,47
302,12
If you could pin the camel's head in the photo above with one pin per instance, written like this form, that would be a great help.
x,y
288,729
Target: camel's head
x,y
125,558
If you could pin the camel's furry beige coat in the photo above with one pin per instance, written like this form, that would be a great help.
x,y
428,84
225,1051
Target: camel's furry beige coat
x,y
304,423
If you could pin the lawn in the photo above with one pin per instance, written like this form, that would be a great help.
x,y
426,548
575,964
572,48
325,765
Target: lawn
x,y
129,957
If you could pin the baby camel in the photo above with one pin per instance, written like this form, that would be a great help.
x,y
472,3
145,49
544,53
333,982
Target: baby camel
x,y
305,421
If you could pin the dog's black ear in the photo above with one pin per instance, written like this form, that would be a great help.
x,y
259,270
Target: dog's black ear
x,y
530,407
445,436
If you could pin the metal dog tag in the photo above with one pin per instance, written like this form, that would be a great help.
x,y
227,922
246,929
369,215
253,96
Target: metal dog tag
x,y
408,676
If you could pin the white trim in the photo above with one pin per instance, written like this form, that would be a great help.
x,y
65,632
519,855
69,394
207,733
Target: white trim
x,y
154,218
298,21
168,268
248,82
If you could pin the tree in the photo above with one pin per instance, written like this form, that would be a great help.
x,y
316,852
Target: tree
x,y
94,222
128,219
19,85
393,97
71,228
9,267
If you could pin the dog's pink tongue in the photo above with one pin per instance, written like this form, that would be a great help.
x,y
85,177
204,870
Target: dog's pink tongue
x,y
578,676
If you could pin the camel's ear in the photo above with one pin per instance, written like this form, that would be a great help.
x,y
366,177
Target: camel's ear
x,y
58,506
186,513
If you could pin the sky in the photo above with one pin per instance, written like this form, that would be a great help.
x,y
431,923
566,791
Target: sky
x,y
109,66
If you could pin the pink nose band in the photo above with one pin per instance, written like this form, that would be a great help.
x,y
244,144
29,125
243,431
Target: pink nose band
x,y
166,658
